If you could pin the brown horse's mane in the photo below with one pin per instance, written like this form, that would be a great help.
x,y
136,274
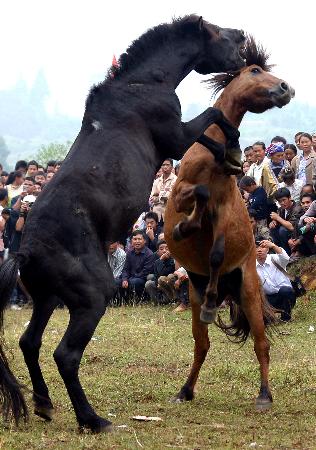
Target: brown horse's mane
x,y
255,54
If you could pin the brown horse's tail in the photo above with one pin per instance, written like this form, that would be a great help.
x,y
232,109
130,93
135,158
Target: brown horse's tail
x,y
238,330
11,397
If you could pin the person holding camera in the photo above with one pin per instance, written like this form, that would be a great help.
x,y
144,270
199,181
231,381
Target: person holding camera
x,y
25,207
276,285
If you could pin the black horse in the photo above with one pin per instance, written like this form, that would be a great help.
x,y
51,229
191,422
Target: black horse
x,y
132,122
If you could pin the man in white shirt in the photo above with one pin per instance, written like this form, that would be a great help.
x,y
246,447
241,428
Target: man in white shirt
x,y
276,285
255,170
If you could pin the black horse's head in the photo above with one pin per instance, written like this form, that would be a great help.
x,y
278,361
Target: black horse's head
x,y
223,48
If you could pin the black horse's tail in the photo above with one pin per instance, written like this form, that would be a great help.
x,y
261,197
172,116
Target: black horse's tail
x,y
11,397
239,329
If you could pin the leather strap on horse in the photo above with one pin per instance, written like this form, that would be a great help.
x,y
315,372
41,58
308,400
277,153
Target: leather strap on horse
x,y
214,147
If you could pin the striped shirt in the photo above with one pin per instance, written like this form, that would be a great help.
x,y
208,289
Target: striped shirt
x,y
116,261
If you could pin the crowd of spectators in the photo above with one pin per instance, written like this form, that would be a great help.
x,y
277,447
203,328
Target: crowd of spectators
x,y
278,188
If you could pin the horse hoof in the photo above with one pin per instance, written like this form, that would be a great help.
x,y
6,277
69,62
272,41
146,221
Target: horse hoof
x,y
208,315
44,412
263,404
97,425
176,399
186,394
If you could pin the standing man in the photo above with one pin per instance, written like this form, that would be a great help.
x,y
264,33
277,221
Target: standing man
x,y
276,285
260,170
162,188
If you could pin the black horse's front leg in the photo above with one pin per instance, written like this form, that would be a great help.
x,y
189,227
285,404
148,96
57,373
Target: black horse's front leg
x,y
232,165
193,130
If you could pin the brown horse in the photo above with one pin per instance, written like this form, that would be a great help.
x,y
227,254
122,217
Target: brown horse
x,y
208,230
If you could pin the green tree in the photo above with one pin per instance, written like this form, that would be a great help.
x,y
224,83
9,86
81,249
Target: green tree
x,y
4,152
54,150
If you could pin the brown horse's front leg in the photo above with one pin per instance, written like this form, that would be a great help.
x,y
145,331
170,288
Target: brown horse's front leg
x,y
193,222
252,305
201,347
209,307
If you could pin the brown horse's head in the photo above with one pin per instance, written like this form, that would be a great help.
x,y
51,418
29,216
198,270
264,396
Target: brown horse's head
x,y
260,90
253,88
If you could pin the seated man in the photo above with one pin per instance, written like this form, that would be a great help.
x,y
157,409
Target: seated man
x,y
176,287
302,241
276,285
257,199
307,231
163,266
138,264
284,221
116,260
152,230
258,230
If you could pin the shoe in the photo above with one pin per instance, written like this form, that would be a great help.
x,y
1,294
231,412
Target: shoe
x,y
181,308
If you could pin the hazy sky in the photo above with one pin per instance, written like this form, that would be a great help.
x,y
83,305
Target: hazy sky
x,y
73,41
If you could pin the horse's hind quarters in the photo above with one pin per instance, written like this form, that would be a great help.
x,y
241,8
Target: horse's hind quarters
x,y
208,315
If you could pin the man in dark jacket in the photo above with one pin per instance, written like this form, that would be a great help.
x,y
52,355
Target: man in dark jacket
x,y
163,266
284,222
138,264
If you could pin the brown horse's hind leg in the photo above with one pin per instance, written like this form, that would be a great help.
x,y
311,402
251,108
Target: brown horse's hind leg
x,y
252,305
202,345
209,307
193,223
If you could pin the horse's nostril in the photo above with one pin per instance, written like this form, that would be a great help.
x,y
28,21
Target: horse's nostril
x,y
284,86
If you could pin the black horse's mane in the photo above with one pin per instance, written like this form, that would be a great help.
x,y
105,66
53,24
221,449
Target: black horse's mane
x,y
147,42
144,46
255,54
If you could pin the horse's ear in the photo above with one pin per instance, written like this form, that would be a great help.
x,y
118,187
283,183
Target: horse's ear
x,y
201,23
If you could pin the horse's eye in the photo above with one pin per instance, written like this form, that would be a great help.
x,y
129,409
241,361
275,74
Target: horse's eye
x,y
255,70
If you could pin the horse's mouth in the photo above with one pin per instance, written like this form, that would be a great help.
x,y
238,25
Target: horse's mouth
x,y
281,99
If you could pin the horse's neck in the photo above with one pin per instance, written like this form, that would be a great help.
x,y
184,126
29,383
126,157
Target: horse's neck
x,y
166,69
232,109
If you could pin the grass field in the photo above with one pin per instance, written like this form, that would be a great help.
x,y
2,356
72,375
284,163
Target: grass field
x,y
139,358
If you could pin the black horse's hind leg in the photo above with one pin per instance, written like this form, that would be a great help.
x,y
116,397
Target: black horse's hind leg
x,y
83,321
30,344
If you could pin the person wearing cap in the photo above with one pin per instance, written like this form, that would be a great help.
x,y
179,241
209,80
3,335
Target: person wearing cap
x,y
275,153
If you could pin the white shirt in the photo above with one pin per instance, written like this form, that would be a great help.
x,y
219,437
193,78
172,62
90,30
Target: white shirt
x,y
272,279
255,170
295,189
